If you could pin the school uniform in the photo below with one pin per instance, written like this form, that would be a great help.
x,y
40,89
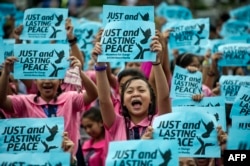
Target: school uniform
x,y
68,105
118,131
94,152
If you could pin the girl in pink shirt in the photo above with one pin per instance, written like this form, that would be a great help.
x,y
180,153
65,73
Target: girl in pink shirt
x,y
138,100
50,100
93,149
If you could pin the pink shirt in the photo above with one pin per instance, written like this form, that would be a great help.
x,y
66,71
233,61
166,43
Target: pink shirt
x,y
146,68
117,132
94,152
70,104
116,103
206,91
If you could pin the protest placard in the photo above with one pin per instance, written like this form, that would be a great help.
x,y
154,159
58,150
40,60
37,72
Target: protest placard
x,y
35,159
127,41
195,132
44,23
31,135
241,104
142,152
125,13
230,86
237,54
185,83
50,62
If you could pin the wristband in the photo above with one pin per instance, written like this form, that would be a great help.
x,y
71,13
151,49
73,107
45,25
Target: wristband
x,y
155,64
100,68
73,41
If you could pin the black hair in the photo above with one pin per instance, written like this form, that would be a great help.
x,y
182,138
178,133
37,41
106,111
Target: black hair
x,y
38,94
93,114
2,115
212,28
152,105
224,16
184,59
130,72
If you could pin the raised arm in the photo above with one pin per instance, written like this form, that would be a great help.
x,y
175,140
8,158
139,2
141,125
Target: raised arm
x,y
111,77
165,59
103,89
68,146
90,93
213,72
163,38
75,51
91,90
6,103
17,32
161,85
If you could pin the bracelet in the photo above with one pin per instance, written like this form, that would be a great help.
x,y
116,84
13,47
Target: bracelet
x,y
73,41
100,68
155,64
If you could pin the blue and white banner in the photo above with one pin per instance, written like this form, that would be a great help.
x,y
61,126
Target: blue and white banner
x,y
50,62
143,152
85,34
215,43
241,123
31,135
38,159
241,104
127,41
219,113
195,132
185,83
124,13
230,86
194,32
44,23
237,54
8,48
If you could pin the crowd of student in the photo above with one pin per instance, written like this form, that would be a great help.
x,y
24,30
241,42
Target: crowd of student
x,y
110,107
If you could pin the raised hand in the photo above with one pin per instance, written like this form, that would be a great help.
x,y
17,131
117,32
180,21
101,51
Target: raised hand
x,y
8,64
17,32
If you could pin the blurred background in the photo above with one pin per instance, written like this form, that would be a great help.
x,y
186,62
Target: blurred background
x,y
216,10
91,8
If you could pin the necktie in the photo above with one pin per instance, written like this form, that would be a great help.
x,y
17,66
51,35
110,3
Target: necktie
x,y
136,133
50,110
88,155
